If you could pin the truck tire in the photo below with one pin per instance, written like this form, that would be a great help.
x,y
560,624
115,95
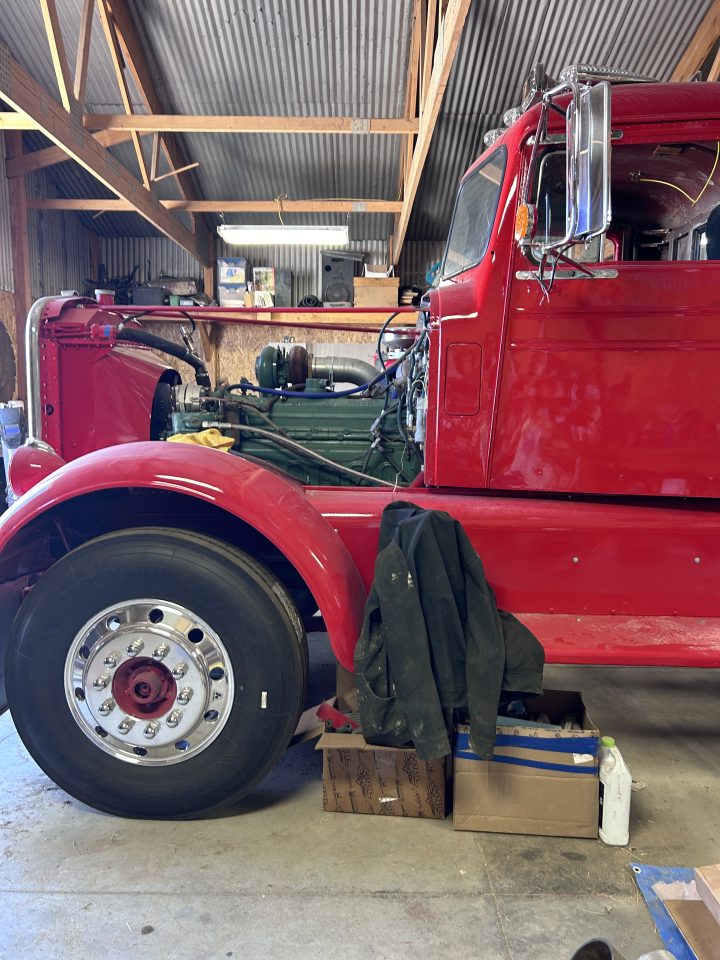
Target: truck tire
x,y
156,673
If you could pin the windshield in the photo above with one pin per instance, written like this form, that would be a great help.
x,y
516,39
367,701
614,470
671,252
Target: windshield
x,y
474,215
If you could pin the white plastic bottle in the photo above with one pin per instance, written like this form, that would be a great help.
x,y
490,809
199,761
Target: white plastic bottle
x,y
615,792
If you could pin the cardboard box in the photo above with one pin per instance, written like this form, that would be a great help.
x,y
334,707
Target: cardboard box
x,y
540,781
235,296
376,291
361,778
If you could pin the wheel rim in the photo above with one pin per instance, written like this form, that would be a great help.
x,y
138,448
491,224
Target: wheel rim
x,y
149,682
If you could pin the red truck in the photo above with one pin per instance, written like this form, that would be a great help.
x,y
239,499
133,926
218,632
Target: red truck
x,y
558,395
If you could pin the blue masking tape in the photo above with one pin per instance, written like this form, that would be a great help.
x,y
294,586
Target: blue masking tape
x,y
521,762
553,744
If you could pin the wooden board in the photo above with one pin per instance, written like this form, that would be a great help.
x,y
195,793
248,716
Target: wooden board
x,y
697,925
707,880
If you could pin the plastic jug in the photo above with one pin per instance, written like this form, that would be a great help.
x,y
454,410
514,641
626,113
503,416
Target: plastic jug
x,y
615,792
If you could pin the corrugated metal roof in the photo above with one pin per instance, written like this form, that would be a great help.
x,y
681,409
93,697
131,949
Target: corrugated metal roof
x,y
340,57
502,40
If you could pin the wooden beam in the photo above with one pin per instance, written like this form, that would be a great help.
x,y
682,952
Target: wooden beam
x,y
186,123
411,87
144,79
428,50
225,206
46,157
700,45
20,258
16,121
116,58
83,53
57,52
175,173
450,32
21,92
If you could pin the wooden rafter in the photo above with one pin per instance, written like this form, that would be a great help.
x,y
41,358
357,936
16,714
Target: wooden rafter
x,y
449,35
143,77
700,45
46,157
17,121
83,53
428,49
411,87
57,52
116,57
21,92
225,206
183,123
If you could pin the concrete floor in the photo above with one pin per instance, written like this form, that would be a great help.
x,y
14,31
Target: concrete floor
x,y
278,878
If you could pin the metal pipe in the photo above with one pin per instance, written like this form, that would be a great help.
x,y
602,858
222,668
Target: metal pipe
x,y
344,370
32,369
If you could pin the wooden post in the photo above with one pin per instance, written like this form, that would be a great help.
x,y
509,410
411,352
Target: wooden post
x,y
20,256
209,333
95,255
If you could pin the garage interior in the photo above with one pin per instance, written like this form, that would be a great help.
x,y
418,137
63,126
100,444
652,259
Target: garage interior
x,y
129,134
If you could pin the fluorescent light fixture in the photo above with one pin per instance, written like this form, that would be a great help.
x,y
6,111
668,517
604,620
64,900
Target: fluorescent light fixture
x,y
278,233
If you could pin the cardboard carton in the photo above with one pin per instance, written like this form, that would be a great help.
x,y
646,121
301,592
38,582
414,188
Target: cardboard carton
x,y
376,291
361,778
540,781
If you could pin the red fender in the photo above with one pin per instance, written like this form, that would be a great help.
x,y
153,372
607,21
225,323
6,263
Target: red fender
x,y
273,505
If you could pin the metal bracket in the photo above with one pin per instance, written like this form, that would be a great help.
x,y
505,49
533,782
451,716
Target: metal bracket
x,y
603,273
360,125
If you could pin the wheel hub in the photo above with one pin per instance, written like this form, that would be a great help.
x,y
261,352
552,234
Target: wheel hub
x,y
144,688
149,682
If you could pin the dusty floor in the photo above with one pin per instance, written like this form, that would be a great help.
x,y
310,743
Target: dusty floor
x,y
278,878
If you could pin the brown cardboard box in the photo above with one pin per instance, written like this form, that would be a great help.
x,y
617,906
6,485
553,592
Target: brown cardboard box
x,y
376,291
542,782
361,778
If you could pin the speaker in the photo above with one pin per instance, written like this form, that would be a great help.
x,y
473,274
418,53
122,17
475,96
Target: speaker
x,y
336,275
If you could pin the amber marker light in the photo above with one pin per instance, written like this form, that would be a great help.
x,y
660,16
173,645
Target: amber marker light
x,y
525,220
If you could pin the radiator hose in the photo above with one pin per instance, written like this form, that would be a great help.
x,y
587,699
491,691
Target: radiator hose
x,y
135,335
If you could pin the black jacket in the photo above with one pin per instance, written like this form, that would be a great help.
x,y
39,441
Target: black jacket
x,y
433,638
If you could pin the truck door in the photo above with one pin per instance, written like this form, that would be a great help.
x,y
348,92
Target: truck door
x,y
610,384
468,309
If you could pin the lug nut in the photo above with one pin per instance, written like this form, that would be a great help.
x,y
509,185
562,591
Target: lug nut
x,y
151,729
161,651
126,725
135,647
112,659
174,718
180,670
106,706
102,681
185,695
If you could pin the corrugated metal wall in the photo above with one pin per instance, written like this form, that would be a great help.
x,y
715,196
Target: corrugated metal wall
x,y
6,272
59,242
155,255
416,258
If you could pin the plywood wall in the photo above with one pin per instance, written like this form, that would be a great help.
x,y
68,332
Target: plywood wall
x,y
7,318
238,345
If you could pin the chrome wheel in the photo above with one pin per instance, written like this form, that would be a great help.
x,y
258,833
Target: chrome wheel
x,y
149,682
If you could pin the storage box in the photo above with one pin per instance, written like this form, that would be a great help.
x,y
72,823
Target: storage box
x,y
236,295
376,291
540,781
232,271
148,296
361,778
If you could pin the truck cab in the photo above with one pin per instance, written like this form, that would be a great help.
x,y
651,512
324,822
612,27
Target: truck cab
x,y
594,376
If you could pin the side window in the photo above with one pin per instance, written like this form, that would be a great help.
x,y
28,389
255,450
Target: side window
x,y
474,215
663,198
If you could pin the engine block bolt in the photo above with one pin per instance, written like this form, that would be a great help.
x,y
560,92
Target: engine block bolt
x,y
151,729
135,647
106,706
102,681
161,651
126,725
185,695
174,718
112,659
180,670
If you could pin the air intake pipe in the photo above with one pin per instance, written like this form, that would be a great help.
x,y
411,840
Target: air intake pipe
x,y
302,365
